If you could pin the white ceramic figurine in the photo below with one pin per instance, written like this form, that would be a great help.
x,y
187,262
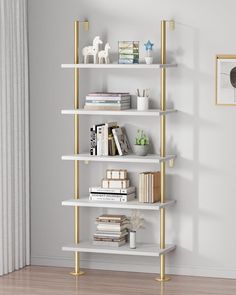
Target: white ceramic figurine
x,y
104,55
92,50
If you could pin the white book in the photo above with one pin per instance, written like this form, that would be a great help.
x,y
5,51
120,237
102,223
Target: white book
x,y
108,98
112,227
121,141
122,199
127,190
100,140
111,234
117,104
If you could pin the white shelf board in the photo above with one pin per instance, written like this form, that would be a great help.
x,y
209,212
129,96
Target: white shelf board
x,y
151,159
144,249
85,202
118,66
130,112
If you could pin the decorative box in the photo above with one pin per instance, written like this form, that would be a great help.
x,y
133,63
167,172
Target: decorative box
x,y
115,183
116,174
128,52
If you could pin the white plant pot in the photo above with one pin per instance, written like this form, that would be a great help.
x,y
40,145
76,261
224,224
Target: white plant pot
x,y
141,150
142,103
132,239
149,60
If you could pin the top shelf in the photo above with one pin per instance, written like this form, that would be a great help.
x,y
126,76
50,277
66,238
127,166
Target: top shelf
x,y
117,66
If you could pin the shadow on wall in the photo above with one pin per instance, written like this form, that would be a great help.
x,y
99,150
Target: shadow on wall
x,y
187,232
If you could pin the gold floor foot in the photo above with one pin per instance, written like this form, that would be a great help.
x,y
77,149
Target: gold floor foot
x,y
80,273
165,279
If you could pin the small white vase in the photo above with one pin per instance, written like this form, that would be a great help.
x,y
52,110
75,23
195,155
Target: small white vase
x,y
142,103
149,60
132,239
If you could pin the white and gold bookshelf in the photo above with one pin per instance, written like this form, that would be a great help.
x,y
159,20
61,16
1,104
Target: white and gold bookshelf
x,y
151,250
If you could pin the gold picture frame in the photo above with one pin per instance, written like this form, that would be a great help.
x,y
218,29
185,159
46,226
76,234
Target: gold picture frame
x,y
225,80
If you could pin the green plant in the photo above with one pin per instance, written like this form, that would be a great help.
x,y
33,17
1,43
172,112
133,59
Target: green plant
x,y
141,138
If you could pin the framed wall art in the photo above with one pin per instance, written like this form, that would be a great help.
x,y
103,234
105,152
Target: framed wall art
x,y
226,80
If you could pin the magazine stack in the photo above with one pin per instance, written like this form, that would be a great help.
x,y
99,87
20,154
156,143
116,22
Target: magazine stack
x,y
112,230
108,101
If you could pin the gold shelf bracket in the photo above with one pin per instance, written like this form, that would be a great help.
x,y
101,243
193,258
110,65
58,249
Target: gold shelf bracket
x,y
171,163
171,24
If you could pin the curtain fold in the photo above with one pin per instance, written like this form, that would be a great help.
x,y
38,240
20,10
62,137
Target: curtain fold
x,y
14,137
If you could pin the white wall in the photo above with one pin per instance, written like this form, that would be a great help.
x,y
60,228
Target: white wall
x,y
203,135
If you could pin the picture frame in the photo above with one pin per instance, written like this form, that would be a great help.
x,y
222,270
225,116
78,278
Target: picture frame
x,y
225,80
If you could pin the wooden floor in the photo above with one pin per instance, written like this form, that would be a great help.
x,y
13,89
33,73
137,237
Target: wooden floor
x,y
37,280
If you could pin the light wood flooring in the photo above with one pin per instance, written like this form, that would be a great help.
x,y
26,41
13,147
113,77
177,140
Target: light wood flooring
x,y
36,280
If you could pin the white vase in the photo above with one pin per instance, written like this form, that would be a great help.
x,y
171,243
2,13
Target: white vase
x,y
142,103
132,239
149,60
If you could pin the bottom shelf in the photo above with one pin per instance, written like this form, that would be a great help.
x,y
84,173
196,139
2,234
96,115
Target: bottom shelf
x,y
143,249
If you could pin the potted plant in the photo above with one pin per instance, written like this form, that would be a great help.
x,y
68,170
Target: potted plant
x,y
136,222
141,146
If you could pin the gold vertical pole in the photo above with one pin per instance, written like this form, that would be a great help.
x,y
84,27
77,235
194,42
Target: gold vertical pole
x,y
77,270
163,150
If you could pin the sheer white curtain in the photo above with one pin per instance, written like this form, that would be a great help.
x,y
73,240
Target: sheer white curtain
x,y
14,137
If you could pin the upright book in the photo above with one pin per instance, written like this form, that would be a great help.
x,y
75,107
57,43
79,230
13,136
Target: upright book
x,y
121,141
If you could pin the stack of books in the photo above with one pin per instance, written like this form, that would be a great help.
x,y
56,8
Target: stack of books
x,y
110,101
128,52
149,187
115,188
108,140
112,230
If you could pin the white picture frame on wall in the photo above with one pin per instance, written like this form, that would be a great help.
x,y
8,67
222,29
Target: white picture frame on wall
x,y
226,80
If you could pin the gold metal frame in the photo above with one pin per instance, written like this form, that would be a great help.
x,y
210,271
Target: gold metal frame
x,y
221,56
77,271
163,277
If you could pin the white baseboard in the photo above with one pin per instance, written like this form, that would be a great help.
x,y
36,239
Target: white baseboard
x,y
106,265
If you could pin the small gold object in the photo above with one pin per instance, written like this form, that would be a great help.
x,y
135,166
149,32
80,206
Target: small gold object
x,y
172,25
77,274
171,163
86,25
165,279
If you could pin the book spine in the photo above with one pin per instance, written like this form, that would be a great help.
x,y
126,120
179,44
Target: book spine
x,y
108,94
106,195
108,98
111,190
99,141
117,142
107,108
107,103
92,141
121,199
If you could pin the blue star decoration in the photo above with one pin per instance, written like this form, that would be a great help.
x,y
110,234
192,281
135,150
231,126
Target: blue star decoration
x,y
148,45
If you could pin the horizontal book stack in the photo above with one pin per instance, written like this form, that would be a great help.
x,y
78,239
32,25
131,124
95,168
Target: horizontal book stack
x,y
128,52
114,188
108,139
110,101
112,230
149,187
